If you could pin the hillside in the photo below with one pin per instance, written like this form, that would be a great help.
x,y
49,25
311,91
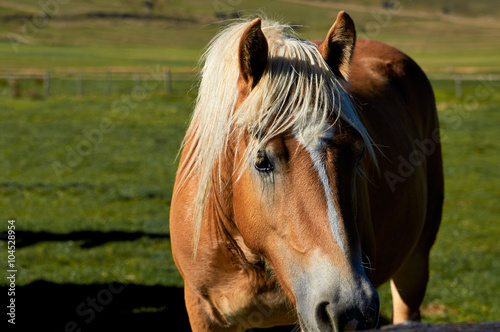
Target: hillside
x,y
440,34
479,8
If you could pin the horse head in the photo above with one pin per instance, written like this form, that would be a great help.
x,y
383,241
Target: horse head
x,y
294,192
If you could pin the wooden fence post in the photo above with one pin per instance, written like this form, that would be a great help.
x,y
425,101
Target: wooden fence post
x,y
79,85
46,83
168,80
8,78
137,80
107,91
15,86
458,85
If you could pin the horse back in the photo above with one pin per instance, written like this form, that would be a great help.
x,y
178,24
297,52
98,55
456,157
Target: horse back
x,y
400,203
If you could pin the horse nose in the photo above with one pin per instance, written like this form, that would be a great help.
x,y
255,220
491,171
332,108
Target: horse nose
x,y
357,319
331,318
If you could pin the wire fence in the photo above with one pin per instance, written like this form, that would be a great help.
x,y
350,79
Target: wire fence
x,y
39,83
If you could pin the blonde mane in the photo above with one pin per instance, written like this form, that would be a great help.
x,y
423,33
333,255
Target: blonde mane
x,y
297,92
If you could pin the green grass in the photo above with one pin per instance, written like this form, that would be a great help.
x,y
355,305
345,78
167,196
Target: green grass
x,y
150,264
465,257
117,180
59,149
42,56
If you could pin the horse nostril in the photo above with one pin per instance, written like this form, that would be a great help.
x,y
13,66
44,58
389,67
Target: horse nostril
x,y
355,319
325,316
332,316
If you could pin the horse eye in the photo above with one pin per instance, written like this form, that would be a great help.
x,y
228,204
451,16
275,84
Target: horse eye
x,y
262,163
359,154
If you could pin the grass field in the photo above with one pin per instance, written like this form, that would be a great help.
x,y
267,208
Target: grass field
x,y
89,179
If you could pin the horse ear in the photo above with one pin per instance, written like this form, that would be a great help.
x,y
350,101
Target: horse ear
x,y
252,53
339,44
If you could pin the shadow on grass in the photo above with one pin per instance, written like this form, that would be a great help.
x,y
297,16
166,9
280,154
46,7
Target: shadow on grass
x,y
116,306
90,238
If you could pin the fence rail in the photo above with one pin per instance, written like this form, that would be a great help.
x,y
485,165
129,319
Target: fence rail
x,y
92,81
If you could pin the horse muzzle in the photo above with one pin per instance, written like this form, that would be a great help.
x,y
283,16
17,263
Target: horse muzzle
x,y
329,316
336,303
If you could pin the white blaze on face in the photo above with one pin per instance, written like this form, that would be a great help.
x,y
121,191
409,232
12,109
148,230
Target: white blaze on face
x,y
315,149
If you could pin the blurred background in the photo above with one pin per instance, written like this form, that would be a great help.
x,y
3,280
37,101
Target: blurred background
x,y
95,98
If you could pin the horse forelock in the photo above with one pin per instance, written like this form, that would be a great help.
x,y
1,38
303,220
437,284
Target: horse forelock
x,y
297,92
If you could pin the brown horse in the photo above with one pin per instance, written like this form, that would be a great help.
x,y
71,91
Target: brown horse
x,y
309,177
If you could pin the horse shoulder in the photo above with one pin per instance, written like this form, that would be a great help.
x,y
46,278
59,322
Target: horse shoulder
x,y
396,104
379,60
380,72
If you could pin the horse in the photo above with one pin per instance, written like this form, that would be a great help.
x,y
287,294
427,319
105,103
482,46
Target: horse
x,y
310,175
